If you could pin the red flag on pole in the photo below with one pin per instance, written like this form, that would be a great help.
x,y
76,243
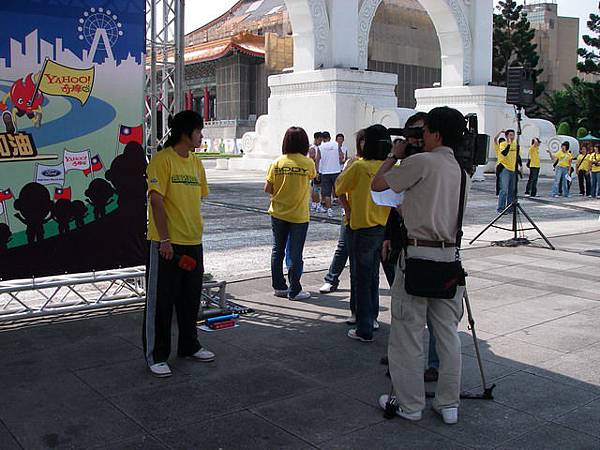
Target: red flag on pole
x,y
5,195
62,193
95,165
131,134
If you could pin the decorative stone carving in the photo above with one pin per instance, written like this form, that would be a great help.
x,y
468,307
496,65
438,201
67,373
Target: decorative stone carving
x,y
465,31
365,19
318,11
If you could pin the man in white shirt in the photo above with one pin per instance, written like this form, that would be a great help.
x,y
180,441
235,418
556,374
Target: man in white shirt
x,y
339,138
329,165
315,204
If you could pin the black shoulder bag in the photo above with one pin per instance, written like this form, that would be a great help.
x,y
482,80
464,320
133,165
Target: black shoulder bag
x,y
436,279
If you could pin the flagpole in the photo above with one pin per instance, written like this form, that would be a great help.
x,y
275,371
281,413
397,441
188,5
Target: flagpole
x,y
90,162
37,85
117,141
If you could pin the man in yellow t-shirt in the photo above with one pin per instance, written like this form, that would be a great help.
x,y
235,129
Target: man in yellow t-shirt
x,y
583,167
534,167
499,157
366,226
596,172
288,182
563,158
508,151
176,186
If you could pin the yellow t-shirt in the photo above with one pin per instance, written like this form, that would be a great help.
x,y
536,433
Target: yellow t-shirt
x,y
290,175
584,162
499,156
509,160
596,159
564,158
182,184
534,157
355,181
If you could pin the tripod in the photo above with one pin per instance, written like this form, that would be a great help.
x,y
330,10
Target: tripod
x,y
515,207
392,405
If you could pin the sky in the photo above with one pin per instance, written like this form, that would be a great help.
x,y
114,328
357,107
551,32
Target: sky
x,y
200,12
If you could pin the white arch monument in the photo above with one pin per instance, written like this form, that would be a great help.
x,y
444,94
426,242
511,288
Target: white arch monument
x,y
330,88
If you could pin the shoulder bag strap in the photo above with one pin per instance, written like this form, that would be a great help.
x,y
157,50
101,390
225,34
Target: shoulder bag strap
x,y
461,207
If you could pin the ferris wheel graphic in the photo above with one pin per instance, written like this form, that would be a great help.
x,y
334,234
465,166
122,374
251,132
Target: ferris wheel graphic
x,y
101,29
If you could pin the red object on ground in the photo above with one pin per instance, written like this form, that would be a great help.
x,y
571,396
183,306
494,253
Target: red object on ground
x,y
220,325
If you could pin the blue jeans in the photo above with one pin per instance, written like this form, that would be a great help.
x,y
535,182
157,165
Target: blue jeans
x,y
595,184
288,258
507,189
364,248
560,178
296,234
340,257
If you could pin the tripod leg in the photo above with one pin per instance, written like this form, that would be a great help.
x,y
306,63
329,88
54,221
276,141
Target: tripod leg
x,y
536,227
491,224
475,341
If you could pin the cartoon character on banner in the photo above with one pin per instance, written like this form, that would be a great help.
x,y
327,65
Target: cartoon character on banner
x,y
26,100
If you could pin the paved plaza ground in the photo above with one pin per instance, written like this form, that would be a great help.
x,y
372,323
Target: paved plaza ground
x,y
288,377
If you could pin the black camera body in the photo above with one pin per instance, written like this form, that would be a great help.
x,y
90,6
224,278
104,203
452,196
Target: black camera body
x,y
470,153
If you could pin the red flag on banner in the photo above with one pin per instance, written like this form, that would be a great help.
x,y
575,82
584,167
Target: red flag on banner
x,y
62,193
131,134
5,195
95,165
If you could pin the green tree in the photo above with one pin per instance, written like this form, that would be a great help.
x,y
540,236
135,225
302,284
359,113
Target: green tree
x,y
513,44
564,129
581,132
591,55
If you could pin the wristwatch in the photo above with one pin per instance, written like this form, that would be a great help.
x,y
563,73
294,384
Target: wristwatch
x,y
392,155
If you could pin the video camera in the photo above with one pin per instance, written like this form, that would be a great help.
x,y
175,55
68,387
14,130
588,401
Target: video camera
x,y
470,153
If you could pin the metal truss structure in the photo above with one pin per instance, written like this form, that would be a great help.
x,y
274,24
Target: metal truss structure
x,y
165,38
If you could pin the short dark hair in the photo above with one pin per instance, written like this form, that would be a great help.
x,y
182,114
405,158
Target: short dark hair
x,y
339,135
566,144
318,135
510,130
420,116
360,137
295,141
534,140
501,140
449,123
183,124
325,135
377,143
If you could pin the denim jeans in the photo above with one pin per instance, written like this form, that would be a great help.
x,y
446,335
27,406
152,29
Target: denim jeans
x,y
531,188
364,248
585,182
595,184
288,258
560,178
507,189
340,257
296,234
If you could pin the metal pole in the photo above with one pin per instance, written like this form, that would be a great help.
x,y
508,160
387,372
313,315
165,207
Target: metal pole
x,y
179,87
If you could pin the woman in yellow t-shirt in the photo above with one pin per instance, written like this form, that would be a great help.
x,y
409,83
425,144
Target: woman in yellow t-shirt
x,y
596,171
366,226
288,183
563,157
534,167
582,168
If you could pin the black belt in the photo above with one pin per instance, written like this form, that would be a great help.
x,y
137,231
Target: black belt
x,y
434,244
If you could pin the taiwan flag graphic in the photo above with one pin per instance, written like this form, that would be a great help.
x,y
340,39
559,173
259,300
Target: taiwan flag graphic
x,y
62,193
95,165
131,134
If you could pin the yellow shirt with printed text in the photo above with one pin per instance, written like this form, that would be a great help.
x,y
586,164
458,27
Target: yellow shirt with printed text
x,y
534,157
584,162
510,159
355,182
564,158
182,184
290,176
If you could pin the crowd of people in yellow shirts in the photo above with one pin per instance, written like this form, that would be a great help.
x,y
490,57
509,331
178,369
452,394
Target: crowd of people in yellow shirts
x,y
509,165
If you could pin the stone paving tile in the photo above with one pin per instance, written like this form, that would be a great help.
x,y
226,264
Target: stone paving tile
x,y
471,376
141,442
320,415
552,437
7,442
539,396
240,430
585,418
572,369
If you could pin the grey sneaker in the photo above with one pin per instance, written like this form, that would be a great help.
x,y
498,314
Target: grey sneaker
x,y
302,295
281,293
375,325
327,288
415,416
449,415
351,320
203,355
352,335
160,370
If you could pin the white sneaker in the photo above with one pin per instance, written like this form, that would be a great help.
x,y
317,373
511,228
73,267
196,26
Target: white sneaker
x,y
160,370
330,212
320,209
375,325
449,415
351,320
283,293
352,335
203,355
327,288
408,416
302,295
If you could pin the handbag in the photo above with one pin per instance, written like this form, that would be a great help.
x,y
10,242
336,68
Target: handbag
x,y
437,279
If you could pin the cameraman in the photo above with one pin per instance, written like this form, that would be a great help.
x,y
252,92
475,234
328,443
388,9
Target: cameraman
x,y
431,184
